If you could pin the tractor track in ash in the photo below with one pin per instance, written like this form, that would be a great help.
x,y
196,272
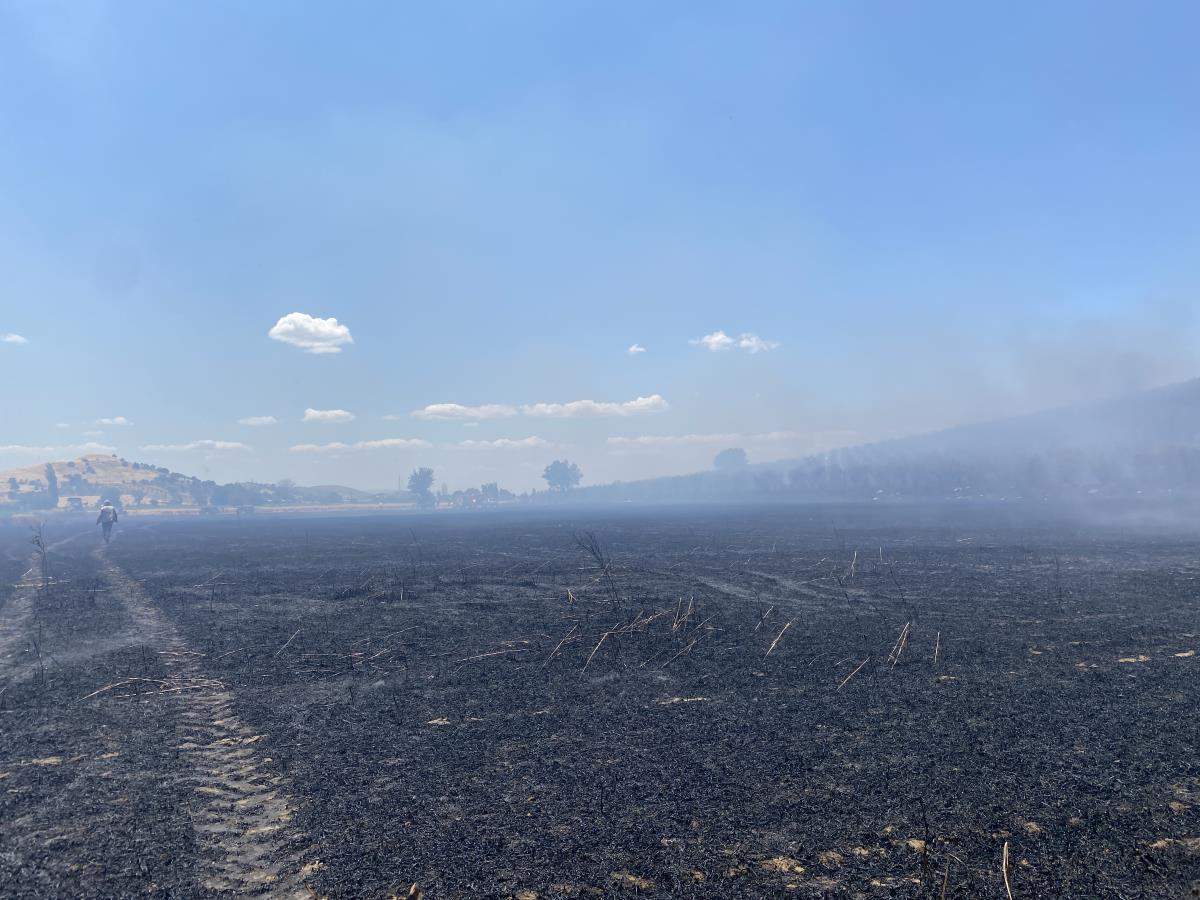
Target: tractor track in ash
x,y
242,814
14,617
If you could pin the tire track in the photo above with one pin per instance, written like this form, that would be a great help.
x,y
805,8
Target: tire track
x,y
242,814
15,615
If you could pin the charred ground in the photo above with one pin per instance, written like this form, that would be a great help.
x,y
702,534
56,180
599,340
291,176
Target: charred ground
x,y
836,700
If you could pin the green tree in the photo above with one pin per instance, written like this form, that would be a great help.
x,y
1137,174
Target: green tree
x,y
731,459
420,482
562,475
51,487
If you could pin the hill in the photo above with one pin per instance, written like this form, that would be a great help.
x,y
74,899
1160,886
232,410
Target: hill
x,y
98,477
1144,444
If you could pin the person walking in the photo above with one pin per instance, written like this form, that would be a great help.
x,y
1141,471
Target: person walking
x,y
107,518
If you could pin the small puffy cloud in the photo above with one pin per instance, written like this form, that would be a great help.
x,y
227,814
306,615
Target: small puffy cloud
x,y
676,440
327,415
195,445
11,338
747,341
255,421
504,444
115,420
578,408
391,443
635,349
382,444
63,425
455,411
718,340
752,343
93,434
310,334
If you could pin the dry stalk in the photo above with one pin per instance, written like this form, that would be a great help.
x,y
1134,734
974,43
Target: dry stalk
x,y
937,648
117,684
1004,870
289,642
778,638
558,646
898,647
681,620
686,649
603,637
485,655
852,674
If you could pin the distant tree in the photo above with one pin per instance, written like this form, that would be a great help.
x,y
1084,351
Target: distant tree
x,y
420,482
562,475
491,492
731,459
285,490
51,487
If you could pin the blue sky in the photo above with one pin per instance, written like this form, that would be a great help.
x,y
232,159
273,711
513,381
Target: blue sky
x,y
926,213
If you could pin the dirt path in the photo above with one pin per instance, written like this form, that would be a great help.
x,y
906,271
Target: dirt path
x,y
242,815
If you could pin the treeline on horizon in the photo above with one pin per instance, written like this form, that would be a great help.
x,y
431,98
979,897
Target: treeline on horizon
x,y
868,473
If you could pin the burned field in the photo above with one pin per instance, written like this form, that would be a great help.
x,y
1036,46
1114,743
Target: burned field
x,y
805,702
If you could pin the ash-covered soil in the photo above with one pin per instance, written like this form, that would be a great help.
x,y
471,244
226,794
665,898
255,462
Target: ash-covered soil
x,y
811,701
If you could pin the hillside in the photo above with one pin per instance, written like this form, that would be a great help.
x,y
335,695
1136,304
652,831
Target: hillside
x,y
1144,444
92,477
133,484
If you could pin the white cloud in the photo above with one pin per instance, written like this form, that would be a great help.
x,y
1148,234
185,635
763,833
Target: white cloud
x,y
718,340
382,444
258,420
310,334
504,444
669,440
195,445
577,408
387,443
752,343
93,434
747,341
115,420
459,411
635,349
59,451
572,409
11,338
327,415
62,425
